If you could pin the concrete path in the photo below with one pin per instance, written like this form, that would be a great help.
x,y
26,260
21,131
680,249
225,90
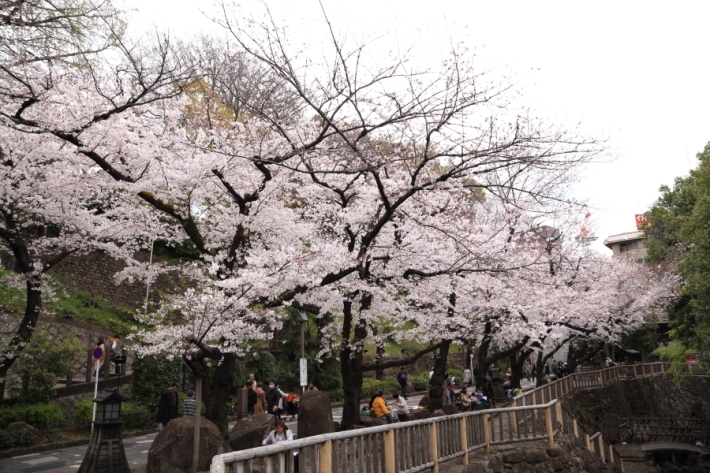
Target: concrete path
x,y
68,460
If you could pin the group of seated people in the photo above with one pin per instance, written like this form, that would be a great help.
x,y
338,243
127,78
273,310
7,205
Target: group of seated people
x,y
477,400
378,407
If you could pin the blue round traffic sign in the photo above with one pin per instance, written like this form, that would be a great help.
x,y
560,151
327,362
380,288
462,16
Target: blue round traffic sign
x,y
98,353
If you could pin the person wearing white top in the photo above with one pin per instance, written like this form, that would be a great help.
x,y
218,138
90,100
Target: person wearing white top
x,y
399,405
281,433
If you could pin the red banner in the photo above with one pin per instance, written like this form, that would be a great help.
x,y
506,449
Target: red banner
x,y
641,221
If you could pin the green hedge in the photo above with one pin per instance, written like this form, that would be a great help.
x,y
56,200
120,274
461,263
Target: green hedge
x,y
134,416
42,416
335,395
83,410
388,386
420,382
23,438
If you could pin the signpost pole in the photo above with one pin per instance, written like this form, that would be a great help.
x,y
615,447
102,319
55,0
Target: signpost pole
x,y
303,364
96,393
97,354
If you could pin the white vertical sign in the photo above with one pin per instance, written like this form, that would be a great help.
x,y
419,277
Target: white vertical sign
x,y
304,373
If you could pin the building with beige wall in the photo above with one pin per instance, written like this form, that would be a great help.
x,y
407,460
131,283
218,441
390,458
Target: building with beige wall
x,y
627,245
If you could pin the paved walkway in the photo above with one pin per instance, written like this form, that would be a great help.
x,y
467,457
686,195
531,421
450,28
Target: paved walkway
x,y
68,460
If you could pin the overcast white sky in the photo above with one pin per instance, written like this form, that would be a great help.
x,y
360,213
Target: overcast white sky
x,y
636,73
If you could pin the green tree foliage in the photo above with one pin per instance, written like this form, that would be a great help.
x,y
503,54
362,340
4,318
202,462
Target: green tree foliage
x,y
679,232
42,362
152,374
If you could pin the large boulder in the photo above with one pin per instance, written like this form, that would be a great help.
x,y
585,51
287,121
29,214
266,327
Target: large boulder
x,y
315,416
424,401
17,427
368,421
415,414
249,432
171,451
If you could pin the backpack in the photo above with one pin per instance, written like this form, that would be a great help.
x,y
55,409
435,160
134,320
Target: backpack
x,y
402,376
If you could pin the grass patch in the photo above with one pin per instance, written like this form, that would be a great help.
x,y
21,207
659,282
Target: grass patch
x,y
72,305
98,311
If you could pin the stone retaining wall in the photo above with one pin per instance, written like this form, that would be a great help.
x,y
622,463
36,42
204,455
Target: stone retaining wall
x,y
656,396
59,329
568,456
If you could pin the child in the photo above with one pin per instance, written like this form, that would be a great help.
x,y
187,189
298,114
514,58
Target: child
x,y
188,405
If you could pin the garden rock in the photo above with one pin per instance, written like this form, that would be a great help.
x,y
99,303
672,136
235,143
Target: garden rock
x,y
171,451
372,421
315,416
415,414
424,401
249,432
16,427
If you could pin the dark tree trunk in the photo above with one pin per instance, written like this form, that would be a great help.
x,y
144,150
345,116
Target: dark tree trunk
x,y
516,368
351,369
379,374
576,359
482,365
216,391
33,307
436,384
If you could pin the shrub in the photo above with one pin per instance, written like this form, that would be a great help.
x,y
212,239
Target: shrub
x,y
137,417
420,382
23,438
83,410
42,416
42,362
134,416
152,374
335,395
458,374
370,386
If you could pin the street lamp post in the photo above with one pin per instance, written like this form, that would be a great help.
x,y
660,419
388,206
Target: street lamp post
x,y
303,318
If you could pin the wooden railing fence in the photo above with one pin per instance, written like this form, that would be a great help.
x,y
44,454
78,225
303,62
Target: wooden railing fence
x,y
424,444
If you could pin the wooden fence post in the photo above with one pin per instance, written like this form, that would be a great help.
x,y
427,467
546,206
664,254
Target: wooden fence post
x,y
600,445
434,447
575,428
558,411
601,379
107,361
389,451
487,433
514,403
464,441
325,457
548,426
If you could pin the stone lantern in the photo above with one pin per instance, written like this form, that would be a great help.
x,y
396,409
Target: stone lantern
x,y
106,453
496,382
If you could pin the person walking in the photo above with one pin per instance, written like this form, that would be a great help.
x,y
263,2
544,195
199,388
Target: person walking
x,y
402,380
251,398
188,405
168,406
260,406
274,400
466,377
